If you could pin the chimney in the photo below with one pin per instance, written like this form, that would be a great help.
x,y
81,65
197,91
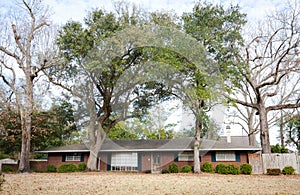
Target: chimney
x,y
228,134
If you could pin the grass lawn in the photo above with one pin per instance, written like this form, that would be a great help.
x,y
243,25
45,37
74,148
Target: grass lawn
x,y
138,183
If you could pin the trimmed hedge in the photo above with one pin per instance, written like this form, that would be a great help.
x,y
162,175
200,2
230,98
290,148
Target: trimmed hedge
x,y
273,171
227,169
288,170
221,168
82,167
51,168
186,169
173,168
165,171
65,168
233,169
7,168
246,169
207,167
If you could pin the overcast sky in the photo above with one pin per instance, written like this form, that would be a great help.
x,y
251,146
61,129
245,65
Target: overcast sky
x,y
65,10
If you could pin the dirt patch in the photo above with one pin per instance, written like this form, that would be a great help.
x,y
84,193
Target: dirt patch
x,y
136,183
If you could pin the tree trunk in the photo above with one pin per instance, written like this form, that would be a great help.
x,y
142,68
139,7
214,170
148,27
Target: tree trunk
x,y
251,137
196,147
281,130
95,147
264,130
92,161
26,114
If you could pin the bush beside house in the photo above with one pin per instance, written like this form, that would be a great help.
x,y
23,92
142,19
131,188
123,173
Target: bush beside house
x,y
288,170
246,169
207,167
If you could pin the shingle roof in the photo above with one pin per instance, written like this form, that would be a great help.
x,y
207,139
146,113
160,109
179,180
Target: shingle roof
x,y
178,144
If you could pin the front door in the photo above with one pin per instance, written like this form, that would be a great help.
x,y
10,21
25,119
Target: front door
x,y
156,163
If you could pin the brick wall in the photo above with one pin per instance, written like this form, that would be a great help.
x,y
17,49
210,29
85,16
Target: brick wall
x,y
166,159
56,159
208,158
38,165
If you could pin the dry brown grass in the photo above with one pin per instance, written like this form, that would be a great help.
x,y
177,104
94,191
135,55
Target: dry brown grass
x,y
135,183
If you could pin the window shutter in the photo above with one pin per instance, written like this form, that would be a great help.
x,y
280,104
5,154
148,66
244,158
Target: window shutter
x,y
63,158
176,157
82,157
108,162
237,156
139,162
213,156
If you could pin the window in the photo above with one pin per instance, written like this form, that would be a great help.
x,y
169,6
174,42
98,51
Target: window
x,y
124,161
186,156
225,156
73,157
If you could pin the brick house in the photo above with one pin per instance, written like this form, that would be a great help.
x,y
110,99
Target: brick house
x,y
155,155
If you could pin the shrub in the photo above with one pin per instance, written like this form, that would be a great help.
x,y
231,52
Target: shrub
x,y
7,168
82,167
186,169
288,170
207,167
67,168
2,180
273,171
233,169
51,168
148,171
279,149
221,169
246,169
165,171
173,168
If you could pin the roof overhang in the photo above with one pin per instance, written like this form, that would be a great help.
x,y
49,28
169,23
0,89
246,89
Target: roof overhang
x,y
61,151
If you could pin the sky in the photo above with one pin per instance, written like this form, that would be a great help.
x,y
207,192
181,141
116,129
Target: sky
x,y
65,10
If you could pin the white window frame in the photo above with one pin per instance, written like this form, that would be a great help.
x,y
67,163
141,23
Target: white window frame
x,y
225,156
186,156
75,157
125,161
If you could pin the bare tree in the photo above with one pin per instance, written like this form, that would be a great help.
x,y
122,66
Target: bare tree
x,y
272,59
23,38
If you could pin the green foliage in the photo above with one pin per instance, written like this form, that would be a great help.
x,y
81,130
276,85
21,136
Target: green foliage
x,y
173,168
121,132
165,171
65,168
2,180
51,168
227,169
148,171
207,167
233,169
82,167
186,169
246,169
288,170
3,156
221,168
7,168
273,171
52,128
292,129
278,149
219,30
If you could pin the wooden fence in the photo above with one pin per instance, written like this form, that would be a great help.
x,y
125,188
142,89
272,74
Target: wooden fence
x,y
262,162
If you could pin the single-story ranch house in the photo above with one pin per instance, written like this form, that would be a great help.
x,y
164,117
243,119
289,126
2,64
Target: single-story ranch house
x,y
155,155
